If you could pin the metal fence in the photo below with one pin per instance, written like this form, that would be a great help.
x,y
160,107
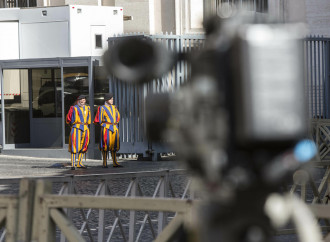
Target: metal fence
x,y
130,97
111,224
317,76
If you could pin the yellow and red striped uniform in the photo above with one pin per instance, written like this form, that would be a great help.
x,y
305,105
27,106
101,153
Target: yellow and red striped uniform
x,y
79,117
108,117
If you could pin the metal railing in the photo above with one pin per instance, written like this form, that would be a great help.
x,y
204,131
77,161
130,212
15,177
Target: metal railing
x,y
317,76
130,97
95,223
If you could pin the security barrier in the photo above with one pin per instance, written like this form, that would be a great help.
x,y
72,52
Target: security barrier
x,y
37,215
133,196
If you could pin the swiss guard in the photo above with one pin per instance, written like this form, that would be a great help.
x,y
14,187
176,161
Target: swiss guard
x,y
108,117
79,117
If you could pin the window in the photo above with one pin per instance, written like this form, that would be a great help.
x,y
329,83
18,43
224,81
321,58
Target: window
x,y
16,100
98,41
46,93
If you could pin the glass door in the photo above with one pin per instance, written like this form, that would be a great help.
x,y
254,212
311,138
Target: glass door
x,y
46,108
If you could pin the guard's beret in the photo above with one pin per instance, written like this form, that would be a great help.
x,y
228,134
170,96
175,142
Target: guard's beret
x,y
108,96
82,97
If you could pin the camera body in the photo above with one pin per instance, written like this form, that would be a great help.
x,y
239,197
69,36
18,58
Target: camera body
x,y
235,122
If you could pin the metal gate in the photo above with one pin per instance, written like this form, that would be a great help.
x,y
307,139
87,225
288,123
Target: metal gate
x,y
317,76
130,97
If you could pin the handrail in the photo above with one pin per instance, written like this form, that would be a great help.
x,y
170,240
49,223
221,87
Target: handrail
x,y
93,176
68,189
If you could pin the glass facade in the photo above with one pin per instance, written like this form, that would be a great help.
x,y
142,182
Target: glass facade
x,y
16,102
33,108
46,93
36,103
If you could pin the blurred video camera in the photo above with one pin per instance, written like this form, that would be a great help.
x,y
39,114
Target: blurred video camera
x,y
239,122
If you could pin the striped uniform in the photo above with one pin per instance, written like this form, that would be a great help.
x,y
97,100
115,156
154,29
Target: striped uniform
x,y
108,117
79,118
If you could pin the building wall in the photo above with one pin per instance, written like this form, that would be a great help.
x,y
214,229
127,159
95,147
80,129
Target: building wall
x,y
93,21
150,16
42,3
140,10
64,31
81,2
168,16
9,45
318,17
315,13
44,36
109,2
189,16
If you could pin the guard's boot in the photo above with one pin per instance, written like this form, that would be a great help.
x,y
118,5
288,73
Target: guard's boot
x,y
114,159
73,161
105,157
79,164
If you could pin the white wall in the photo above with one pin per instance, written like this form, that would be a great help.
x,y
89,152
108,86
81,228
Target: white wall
x,y
109,2
9,45
83,24
43,36
65,31
318,17
81,2
9,14
140,11
168,16
34,15
43,40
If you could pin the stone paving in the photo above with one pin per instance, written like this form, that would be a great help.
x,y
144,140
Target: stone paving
x,y
18,167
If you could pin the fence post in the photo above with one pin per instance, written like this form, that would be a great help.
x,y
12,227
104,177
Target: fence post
x,y
25,209
68,211
163,191
132,214
43,226
101,231
11,221
326,76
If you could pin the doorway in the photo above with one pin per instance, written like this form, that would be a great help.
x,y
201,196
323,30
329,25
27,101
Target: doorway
x,y
33,109
45,108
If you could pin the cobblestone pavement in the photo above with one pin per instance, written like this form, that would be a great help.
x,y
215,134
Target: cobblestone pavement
x,y
17,167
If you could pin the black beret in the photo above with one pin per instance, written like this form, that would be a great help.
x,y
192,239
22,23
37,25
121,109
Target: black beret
x,y
82,97
108,96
